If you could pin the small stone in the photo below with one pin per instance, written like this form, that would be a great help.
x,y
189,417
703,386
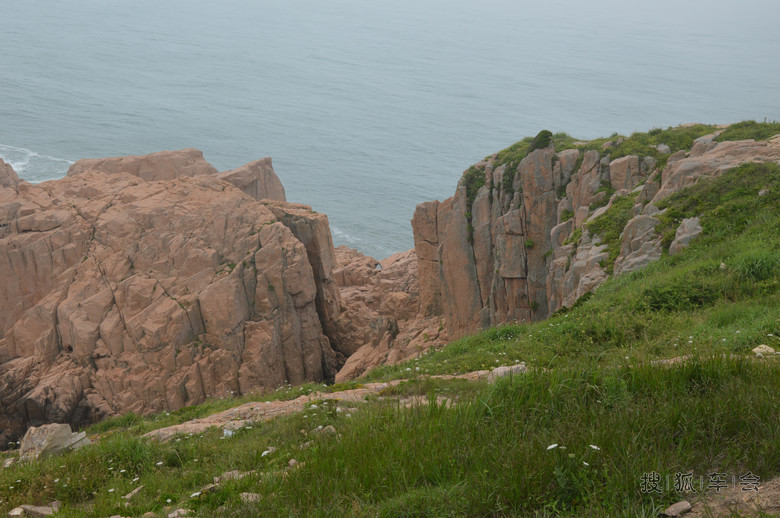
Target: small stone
x,y
178,512
16,511
678,509
763,349
132,493
232,475
250,498
292,463
7,463
763,192
209,489
330,430
34,510
507,370
722,266
148,514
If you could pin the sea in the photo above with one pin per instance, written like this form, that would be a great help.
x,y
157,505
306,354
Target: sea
x,y
368,107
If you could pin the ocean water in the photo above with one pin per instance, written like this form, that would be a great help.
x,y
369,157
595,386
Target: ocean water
x,y
368,107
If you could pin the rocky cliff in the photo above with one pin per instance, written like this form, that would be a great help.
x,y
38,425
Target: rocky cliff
x,y
531,229
151,283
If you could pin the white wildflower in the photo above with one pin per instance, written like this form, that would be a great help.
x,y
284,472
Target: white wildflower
x,y
552,446
595,447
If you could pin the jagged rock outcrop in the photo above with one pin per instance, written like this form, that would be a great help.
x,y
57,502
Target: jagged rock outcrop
x,y
257,179
515,244
120,294
381,311
8,177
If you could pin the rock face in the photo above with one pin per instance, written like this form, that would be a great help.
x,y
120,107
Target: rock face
x,y
514,242
381,317
8,177
257,179
121,294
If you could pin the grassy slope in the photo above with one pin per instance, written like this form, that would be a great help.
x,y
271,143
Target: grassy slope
x,y
487,455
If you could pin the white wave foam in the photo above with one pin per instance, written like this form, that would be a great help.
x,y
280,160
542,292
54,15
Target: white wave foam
x,y
340,234
33,166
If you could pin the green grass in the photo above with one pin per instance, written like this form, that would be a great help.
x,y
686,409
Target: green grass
x,y
728,205
641,144
750,130
485,455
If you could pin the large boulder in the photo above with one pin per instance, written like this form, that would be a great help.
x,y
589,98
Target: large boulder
x,y
49,440
689,229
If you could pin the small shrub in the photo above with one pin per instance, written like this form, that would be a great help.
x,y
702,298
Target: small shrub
x,y
757,265
566,215
683,294
529,243
542,140
509,178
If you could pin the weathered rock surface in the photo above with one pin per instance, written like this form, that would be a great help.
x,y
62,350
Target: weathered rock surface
x,y
520,253
49,440
8,177
708,159
257,179
381,315
120,294
689,229
164,165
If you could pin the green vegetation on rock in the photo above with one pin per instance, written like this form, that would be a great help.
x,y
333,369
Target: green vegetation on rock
x,y
750,130
610,226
